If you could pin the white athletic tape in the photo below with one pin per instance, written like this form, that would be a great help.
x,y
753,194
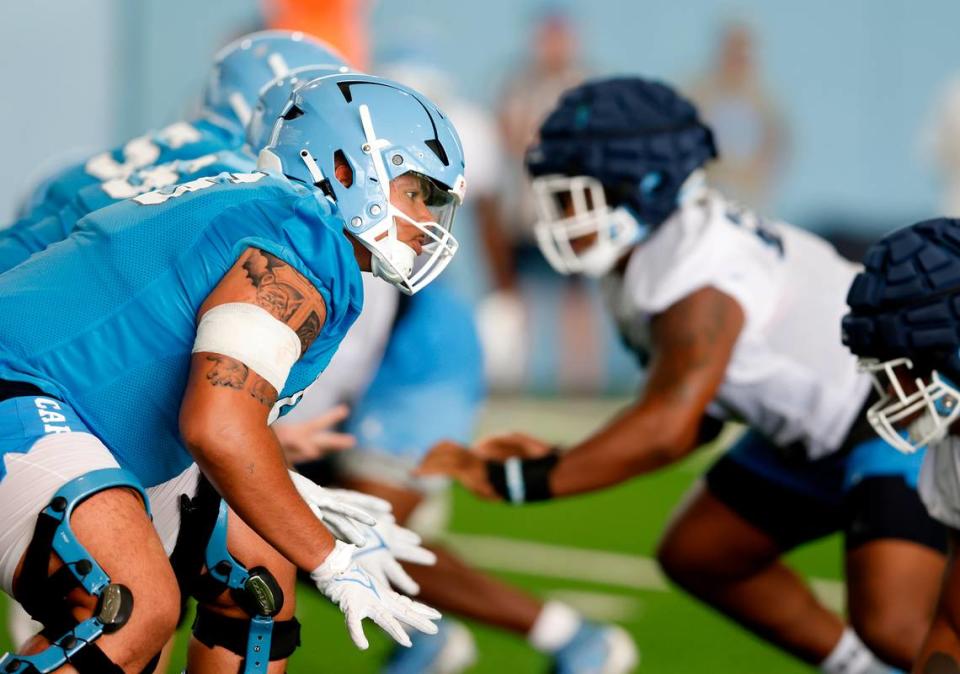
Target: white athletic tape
x,y
338,561
516,487
250,334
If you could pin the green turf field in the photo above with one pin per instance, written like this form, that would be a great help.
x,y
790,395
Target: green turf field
x,y
675,634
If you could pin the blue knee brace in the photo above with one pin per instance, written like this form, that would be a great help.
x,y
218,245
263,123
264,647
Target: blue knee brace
x,y
44,596
255,591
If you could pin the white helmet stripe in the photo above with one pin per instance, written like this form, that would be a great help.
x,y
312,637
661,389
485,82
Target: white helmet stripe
x,y
278,65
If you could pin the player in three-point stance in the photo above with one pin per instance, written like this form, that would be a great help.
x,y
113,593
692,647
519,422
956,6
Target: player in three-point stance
x,y
734,317
216,302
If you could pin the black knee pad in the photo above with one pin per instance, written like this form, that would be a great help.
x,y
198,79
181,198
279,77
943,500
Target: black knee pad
x,y
214,629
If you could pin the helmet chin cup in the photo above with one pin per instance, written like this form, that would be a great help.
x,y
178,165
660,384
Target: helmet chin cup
x,y
393,261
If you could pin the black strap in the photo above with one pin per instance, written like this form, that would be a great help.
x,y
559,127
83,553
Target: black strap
x,y
91,660
44,596
198,517
214,629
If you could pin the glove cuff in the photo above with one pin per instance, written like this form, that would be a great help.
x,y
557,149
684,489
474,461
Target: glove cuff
x,y
337,562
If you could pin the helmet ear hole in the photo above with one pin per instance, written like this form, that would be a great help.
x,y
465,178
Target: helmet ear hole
x,y
292,112
341,169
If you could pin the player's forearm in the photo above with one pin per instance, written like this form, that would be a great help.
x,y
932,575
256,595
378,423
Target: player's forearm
x,y
639,441
248,470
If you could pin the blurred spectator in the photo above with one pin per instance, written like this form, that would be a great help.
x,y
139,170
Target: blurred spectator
x,y
942,143
532,89
342,23
748,128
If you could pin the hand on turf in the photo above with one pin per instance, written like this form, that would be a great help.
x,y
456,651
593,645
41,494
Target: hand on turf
x,y
456,461
361,595
387,545
506,445
310,440
346,521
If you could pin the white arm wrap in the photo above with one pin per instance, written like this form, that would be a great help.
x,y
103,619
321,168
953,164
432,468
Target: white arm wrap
x,y
250,334
338,561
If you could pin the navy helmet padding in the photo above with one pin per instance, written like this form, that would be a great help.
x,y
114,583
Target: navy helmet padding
x,y
906,302
638,137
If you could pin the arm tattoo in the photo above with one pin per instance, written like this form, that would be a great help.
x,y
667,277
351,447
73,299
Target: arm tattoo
x,y
231,373
309,331
941,663
227,372
261,390
286,294
273,294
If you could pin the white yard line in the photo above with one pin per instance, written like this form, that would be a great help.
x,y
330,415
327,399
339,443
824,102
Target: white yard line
x,y
601,606
556,561
618,569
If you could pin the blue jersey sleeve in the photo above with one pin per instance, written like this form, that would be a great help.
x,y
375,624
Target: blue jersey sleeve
x,y
429,386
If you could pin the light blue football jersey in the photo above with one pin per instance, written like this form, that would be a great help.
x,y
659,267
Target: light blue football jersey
x,y
20,242
429,385
181,140
106,319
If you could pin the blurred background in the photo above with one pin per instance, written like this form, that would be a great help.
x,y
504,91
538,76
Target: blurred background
x,y
843,118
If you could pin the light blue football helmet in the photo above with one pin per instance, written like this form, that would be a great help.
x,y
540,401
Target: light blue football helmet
x,y
382,130
274,96
243,67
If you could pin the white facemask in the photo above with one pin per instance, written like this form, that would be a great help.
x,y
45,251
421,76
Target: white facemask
x,y
615,229
926,413
393,260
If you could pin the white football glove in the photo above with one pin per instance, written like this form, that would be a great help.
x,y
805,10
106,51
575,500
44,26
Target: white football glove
x,y
345,520
387,545
373,505
360,595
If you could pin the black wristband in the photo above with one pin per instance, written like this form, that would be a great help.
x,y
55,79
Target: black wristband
x,y
522,480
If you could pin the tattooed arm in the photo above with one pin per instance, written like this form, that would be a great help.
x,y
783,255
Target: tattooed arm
x,y
692,344
223,418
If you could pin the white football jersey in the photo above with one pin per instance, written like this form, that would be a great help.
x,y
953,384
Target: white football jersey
x,y
789,376
939,484
358,357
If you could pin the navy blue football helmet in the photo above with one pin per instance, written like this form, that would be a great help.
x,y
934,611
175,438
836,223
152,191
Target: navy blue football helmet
x,y
610,163
904,325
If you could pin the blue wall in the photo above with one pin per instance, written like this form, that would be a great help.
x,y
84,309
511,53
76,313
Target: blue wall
x,y
56,65
855,78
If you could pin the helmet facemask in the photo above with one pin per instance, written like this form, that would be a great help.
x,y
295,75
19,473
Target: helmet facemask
x,y
572,208
393,260
925,413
